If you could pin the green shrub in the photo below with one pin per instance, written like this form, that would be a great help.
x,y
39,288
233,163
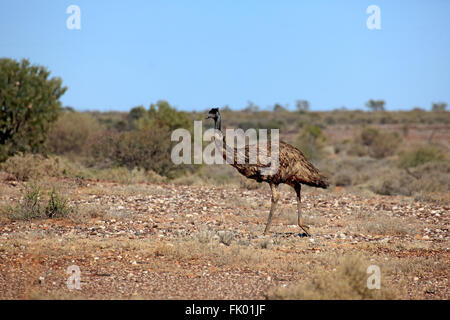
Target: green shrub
x,y
29,103
57,206
419,155
162,113
34,206
311,142
134,115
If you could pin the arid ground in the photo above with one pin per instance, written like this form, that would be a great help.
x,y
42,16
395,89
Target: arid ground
x,y
164,241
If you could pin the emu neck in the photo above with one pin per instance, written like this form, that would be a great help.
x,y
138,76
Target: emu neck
x,y
218,123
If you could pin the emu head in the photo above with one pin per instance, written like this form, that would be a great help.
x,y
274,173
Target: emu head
x,y
213,113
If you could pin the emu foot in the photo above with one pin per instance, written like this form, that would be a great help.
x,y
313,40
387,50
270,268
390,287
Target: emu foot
x,y
304,235
305,229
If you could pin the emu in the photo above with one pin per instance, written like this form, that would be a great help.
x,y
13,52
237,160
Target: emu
x,y
293,169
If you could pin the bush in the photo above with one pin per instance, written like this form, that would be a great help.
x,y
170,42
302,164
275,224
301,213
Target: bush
x,y
419,155
393,183
429,177
73,134
368,136
57,206
347,283
32,166
134,115
162,113
384,145
375,143
148,148
33,205
439,107
29,103
311,142
432,177
30,207
343,179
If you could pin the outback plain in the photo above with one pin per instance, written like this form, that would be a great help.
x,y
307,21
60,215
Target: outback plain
x,y
139,227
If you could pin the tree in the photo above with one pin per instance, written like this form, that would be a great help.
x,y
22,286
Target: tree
x,y
279,108
251,107
29,103
165,114
302,105
134,115
225,108
375,105
440,106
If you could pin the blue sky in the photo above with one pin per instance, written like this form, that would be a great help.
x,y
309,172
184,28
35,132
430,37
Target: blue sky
x,y
199,54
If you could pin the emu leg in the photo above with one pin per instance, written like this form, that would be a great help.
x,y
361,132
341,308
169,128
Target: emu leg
x,y
274,200
298,189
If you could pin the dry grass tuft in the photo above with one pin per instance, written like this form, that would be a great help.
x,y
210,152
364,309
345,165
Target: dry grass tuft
x,y
383,224
348,282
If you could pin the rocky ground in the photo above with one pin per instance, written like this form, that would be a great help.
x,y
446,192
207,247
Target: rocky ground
x,y
205,242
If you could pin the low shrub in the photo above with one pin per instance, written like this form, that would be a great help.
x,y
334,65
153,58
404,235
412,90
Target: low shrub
x,y
418,155
31,166
57,206
35,206
148,148
384,145
392,183
73,134
376,144
311,142
348,282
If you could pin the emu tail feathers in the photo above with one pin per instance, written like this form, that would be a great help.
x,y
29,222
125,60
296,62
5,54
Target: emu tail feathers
x,y
319,182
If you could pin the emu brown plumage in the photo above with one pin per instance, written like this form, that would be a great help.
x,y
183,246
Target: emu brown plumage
x,y
293,169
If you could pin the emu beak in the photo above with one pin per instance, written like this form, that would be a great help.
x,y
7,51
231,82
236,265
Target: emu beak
x,y
208,116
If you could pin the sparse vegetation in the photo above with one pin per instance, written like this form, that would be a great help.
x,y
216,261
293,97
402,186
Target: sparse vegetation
x,y
122,210
418,155
57,206
376,144
311,141
34,205
348,282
